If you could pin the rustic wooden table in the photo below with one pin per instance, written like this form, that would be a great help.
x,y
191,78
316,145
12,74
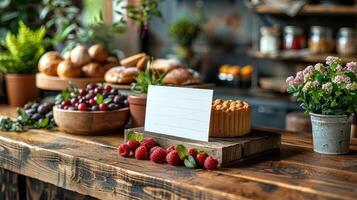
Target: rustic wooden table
x,y
39,164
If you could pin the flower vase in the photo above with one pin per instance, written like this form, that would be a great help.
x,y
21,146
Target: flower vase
x,y
331,133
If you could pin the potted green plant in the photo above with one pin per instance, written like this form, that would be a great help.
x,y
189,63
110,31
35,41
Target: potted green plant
x,y
137,99
19,63
329,95
185,31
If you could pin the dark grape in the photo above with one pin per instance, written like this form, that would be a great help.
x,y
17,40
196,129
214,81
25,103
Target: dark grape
x,y
91,86
27,106
112,106
36,116
49,114
35,105
30,111
113,91
95,108
126,103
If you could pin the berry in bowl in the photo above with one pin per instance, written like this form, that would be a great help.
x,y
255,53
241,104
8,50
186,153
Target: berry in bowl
x,y
95,109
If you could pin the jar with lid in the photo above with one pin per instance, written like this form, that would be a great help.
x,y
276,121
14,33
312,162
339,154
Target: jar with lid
x,y
346,43
293,38
269,42
321,40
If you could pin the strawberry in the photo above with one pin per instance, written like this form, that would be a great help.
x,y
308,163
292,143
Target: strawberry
x,y
173,158
141,153
192,152
210,163
133,144
124,150
148,143
153,149
158,155
170,148
200,158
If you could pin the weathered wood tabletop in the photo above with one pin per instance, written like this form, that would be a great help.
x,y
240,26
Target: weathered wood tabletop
x,y
90,166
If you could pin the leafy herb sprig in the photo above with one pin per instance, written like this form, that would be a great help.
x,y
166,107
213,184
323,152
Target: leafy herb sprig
x,y
146,78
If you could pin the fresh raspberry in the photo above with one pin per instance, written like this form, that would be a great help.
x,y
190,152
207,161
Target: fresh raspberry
x,y
124,150
148,143
200,158
158,155
133,144
173,158
211,163
141,153
170,148
192,152
153,149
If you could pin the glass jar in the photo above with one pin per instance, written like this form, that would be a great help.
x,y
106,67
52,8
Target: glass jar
x,y
346,41
293,38
269,42
320,40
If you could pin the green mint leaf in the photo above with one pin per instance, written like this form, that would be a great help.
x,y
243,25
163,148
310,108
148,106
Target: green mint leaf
x,y
131,135
99,99
190,162
65,95
107,100
139,137
182,151
42,123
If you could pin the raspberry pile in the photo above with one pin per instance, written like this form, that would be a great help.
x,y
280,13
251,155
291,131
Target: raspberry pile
x,y
147,148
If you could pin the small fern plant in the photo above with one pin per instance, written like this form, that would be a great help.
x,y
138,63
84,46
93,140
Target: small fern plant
x,y
22,51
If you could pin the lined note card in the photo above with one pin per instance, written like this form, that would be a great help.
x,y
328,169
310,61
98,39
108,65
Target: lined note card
x,y
180,112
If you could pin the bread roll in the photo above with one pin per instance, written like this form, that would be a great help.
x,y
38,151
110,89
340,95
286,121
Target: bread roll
x,y
48,63
166,65
132,60
111,62
66,70
182,76
98,53
67,55
121,75
141,65
93,70
79,56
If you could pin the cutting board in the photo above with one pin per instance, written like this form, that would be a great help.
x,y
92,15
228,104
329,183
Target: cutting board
x,y
228,151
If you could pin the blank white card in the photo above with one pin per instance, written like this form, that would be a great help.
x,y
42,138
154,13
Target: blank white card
x,y
180,112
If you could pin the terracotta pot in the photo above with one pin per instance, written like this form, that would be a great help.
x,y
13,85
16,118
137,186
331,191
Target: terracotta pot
x,y
21,88
137,104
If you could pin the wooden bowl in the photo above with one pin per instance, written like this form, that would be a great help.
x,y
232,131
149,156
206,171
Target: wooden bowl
x,y
91,122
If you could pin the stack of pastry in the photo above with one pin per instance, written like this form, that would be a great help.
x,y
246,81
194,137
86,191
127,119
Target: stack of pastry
x,y
176,74
230,118
129,69
78,62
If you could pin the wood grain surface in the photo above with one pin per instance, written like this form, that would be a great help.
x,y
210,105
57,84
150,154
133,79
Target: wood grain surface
x,y
90,165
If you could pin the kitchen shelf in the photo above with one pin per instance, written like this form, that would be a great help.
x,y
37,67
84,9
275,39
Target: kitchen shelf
x,y
311,10
301,56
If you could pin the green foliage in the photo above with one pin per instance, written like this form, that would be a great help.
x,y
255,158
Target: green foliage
x,y
185,31
330,90
22,50
190,162
182,151
24,122
64,20
146,78
132,135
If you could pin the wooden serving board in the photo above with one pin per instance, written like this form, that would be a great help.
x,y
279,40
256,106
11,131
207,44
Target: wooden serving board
x,y
127,87
228,151
57,84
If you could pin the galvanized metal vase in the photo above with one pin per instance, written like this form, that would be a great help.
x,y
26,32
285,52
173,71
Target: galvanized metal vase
x,y
330,133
